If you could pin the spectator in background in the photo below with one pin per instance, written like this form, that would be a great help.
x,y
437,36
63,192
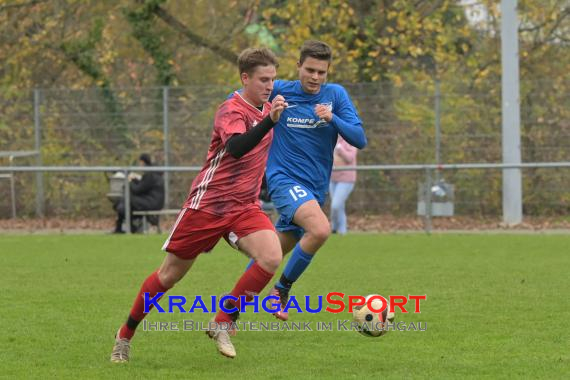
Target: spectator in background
x,y
342,183
147,193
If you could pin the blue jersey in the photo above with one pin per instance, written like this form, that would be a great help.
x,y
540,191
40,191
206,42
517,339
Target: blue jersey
x,y
303,144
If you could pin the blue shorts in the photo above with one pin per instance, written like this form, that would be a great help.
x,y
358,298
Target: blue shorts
x,y
288,195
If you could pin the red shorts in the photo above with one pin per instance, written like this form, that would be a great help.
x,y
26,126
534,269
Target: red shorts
x,y
196,231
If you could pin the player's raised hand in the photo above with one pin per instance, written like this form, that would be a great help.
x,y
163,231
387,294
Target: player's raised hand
x,y
324,112
277,107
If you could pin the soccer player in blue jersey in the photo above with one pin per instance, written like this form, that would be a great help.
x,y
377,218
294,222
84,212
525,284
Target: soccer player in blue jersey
x,y
301,158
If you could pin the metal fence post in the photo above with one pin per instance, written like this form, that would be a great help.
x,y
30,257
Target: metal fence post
x,y
166,146
428,213
511,121
437,126
12,189
127,198
38,144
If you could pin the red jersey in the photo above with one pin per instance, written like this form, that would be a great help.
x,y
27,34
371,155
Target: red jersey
x,y
226,184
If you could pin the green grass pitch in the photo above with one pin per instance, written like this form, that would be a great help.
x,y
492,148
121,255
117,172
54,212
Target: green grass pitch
x,y
497,306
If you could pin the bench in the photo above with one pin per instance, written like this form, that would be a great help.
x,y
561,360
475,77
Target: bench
x,y
157,213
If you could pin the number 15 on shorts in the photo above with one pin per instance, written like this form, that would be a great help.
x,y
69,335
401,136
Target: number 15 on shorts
x,y
297,192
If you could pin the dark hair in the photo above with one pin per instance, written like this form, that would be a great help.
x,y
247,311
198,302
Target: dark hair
x,y
145,157
315,49
250,58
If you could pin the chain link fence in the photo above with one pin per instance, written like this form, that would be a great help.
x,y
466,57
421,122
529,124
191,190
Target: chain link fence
x,y
415,123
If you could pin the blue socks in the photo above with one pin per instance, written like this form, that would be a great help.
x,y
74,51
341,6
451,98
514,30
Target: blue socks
x,y
296,265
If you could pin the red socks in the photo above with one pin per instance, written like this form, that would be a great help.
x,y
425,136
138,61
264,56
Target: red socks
x,y
152,286
251,283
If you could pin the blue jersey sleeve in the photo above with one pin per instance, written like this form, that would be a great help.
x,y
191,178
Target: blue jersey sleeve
x,y
346,121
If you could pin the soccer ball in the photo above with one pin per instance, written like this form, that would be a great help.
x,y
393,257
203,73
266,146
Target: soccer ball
x,y
371,324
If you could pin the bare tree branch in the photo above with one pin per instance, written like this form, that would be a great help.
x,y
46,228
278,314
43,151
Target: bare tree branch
x,y
172,21
20,5
552,33
426,10
558,22
248,19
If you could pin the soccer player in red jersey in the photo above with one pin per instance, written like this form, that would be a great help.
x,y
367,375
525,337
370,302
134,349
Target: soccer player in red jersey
x,y
223,201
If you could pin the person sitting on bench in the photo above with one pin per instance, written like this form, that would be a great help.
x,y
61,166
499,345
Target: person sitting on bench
x,y
147,193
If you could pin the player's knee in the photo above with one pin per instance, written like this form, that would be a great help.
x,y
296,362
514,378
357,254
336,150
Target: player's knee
x,y
271,260
321,232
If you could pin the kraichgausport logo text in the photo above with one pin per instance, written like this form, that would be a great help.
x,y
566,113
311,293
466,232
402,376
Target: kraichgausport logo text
x,y
335,303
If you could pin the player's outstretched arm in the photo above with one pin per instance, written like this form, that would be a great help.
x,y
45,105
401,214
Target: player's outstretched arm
x,y
240,144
